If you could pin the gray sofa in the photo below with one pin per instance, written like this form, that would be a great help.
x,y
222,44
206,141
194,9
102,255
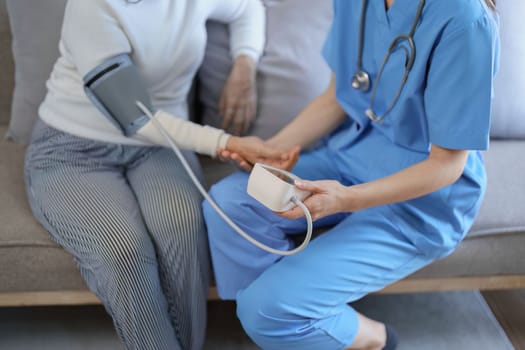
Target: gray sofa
x,y
35,271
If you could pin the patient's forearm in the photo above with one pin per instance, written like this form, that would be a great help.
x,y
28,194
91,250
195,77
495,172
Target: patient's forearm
x,y
201,139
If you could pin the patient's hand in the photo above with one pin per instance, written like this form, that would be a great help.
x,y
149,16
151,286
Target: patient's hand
x,y
246,151
239,97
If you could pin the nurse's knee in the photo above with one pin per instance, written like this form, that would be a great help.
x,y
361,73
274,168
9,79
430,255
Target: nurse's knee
x,y
266,319
252,313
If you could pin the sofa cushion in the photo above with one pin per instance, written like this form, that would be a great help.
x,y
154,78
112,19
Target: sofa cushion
x,y
503,208
30,260
6,62
35,27
509,86
487,255
291,71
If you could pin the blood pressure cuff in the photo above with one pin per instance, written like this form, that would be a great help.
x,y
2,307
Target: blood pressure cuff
x,y
114,87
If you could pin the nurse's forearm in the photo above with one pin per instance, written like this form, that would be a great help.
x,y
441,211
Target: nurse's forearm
x,y
319,118
442,168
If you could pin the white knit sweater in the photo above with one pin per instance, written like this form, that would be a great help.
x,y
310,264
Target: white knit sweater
x,y
166,40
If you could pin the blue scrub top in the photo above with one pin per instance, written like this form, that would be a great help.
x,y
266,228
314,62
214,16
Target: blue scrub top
x,y
446,101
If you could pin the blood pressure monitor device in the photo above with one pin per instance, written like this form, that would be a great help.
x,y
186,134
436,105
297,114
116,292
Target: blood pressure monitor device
x,y
275,188
117,90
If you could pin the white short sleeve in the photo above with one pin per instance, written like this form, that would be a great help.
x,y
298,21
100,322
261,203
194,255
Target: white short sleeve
x,y
247,20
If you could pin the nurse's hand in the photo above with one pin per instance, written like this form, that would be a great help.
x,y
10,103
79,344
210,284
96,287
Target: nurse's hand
x,y
246,151
327,197
238,101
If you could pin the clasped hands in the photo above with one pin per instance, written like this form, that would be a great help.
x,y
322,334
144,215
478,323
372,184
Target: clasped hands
x,y
246,151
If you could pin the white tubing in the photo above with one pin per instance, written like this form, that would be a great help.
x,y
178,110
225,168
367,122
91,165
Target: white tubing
x,y
201,189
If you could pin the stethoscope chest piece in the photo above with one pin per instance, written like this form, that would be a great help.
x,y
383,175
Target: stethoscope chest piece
x,y
361,81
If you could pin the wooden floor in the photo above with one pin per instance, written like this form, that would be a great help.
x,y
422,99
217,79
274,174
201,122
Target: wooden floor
x,y
509,309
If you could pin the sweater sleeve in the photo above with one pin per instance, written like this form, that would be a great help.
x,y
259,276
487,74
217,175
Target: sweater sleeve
x,y
91,34
247,21
187,135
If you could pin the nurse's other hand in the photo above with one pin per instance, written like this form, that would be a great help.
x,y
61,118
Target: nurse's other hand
x,y
327,197
246,151
238,101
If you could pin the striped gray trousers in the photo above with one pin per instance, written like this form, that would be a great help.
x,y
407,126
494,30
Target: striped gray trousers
x,y
131,218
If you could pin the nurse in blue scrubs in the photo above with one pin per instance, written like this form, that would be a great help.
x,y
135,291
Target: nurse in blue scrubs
x,y
397,176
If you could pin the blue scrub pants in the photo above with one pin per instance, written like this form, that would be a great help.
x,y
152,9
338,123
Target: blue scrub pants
x,y
301,301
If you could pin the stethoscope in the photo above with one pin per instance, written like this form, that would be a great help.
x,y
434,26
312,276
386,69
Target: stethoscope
x,y
361,80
